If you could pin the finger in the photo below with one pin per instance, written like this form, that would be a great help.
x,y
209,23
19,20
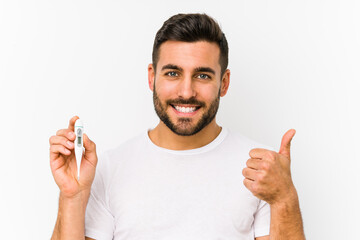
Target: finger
x,y
55,150
72,123
257,152
89,145
59,140
248,184
249,173
286,143
69,134
254,163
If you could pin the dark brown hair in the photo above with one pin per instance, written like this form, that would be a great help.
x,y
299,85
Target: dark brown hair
x,y
192,28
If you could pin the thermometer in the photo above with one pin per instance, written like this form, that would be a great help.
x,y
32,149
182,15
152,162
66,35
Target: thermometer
x,y
79,143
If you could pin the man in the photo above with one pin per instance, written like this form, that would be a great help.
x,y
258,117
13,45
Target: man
x,y
182,179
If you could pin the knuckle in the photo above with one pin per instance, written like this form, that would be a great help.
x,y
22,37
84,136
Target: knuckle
x,y
261,177
51,139
52,148
61,132
252,151
270,155
64,142
265,166
248,162
247,183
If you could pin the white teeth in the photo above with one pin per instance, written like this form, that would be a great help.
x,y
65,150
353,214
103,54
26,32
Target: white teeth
x,y
185,109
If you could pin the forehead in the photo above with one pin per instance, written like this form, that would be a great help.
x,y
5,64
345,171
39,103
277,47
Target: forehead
x,y
190,54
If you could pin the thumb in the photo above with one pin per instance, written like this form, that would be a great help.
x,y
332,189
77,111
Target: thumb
x,y
286,143
89,145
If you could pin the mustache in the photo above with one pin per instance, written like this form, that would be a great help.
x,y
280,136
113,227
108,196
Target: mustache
x,y
190,101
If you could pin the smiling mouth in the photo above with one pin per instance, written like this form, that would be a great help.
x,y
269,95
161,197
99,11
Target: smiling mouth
x,y
185,109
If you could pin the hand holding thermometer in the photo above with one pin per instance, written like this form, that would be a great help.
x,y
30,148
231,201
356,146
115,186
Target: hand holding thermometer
x,y
79,143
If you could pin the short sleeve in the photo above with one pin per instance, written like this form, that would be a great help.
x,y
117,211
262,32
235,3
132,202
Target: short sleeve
x,y
262,219
99,222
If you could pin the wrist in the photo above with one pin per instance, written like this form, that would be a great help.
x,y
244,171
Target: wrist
x,y
82,197
71,215
288,200
286,220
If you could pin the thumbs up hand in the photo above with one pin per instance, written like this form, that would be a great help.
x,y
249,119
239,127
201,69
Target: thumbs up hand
x,y
268,175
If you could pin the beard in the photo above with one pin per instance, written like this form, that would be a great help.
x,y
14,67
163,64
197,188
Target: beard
x,y
185,126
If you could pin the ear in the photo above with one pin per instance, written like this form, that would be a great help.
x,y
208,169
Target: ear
x,y
225,81
151,76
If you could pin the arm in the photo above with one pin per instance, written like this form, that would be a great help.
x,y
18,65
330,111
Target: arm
x,y
70,222
286,221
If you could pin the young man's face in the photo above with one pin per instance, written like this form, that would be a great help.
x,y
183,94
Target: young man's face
x,y
187,85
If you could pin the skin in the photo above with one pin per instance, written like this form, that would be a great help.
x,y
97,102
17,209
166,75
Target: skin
x,y
264,170
268,177
187,83
267,174
74,193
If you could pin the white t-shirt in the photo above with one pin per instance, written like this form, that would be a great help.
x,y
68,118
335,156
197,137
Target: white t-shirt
x,y
144,192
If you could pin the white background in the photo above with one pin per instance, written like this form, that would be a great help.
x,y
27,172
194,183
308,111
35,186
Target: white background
x,y
294,64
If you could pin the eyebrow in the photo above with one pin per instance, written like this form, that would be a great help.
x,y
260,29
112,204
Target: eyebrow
x,y
205,69
171,66
198,69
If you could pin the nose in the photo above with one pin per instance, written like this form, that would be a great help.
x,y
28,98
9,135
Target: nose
x,y
186,88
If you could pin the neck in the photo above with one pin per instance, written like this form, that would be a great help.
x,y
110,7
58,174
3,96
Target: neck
x,y
163,137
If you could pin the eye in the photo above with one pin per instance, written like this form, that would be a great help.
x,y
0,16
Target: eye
x,y
171,74
204,76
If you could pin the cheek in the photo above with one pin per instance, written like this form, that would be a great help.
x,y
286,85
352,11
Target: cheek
x,y
166,89
207,92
